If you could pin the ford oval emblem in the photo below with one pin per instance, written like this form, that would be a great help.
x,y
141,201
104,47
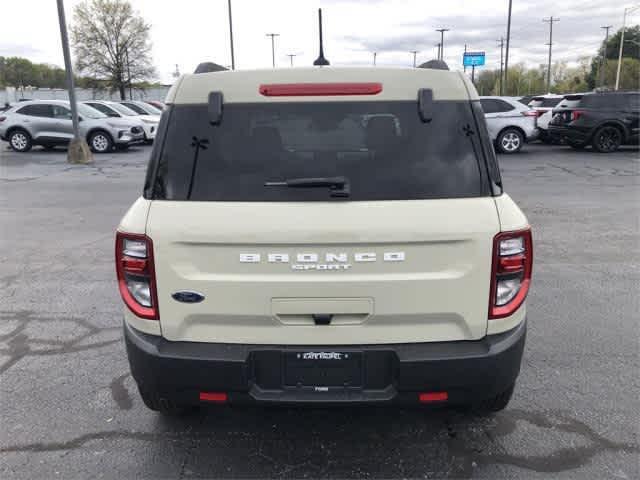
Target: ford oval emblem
x,y
186,296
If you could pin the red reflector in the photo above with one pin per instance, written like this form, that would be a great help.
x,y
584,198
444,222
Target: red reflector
x,y
511,264
134,265
429,397
216,397
319,89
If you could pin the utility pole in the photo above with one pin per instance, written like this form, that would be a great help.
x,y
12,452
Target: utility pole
x,y
473,74
442,30
624,24
291,55
465,51
501,41
415,52
375,54
78,151
233,60
603,64
438,45
506,56
273,47
550,21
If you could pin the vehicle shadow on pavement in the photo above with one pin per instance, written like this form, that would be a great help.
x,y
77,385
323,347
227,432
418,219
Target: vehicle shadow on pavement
x,y
378,442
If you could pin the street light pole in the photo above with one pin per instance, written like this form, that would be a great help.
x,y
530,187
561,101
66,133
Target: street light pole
x,y
291,55
375,54
415,52
550,21
78,151
273,48
442,30
506,55
603,65
438,45
624,23
233,60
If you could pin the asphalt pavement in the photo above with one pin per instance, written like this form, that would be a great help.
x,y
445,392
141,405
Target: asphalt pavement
x,y
70,409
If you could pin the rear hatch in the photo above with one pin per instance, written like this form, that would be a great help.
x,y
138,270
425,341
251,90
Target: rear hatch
x,y
563,112
405,257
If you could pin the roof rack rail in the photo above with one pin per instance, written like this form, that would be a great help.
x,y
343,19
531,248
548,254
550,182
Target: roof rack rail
x,y
435,65
207,67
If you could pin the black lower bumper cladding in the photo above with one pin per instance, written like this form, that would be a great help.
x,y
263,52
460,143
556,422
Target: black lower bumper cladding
x,y
468,371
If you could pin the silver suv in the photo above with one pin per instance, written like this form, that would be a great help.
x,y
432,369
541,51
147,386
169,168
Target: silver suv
x,y
48,123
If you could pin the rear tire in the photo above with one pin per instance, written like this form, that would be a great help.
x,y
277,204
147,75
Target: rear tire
x,y
495,404
510,140
155,402
607,139
100,142
20,140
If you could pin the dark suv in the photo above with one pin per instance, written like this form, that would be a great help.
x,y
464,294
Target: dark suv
x,y
603,120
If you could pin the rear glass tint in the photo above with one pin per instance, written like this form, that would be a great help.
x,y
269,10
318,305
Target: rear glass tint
x,y
541,102
609,101
382,148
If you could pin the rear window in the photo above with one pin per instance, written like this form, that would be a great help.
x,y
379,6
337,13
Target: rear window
x,y
610,101
383,149
542,102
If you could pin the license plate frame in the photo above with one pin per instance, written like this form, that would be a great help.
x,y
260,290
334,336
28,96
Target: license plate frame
x,y
323,369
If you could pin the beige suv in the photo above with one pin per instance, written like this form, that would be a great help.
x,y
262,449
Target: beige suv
x,y
324,236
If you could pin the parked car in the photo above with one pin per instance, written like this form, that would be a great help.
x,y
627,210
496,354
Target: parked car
x,y
48,123
603,120
543,104
510,123
154,103
117,110
307,250
567,101
142,108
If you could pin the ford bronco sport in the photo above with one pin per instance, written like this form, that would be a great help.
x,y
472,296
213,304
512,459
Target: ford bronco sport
x,y
324,236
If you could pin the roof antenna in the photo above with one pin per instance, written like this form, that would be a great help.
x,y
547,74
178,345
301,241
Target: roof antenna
x,y
320,60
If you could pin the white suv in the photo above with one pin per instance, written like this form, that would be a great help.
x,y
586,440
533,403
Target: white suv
x,y
324,236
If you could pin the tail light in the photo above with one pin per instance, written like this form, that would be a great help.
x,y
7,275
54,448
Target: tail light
x,y
136,274
576,114
530,113
2,119
510,272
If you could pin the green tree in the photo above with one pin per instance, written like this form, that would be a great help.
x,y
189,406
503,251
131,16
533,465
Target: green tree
x,y
631,49
111,43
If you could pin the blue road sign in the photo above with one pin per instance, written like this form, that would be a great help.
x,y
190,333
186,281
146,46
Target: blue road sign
x,y
473,59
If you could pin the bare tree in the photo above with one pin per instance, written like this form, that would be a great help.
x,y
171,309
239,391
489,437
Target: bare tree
x,y
111,42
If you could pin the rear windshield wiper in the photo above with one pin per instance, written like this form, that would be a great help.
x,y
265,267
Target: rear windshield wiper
x,y
339,185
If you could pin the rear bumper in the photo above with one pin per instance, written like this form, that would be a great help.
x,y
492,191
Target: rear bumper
x,y
567,134
469,371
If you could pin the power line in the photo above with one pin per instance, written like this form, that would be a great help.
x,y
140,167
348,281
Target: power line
x,y
550,21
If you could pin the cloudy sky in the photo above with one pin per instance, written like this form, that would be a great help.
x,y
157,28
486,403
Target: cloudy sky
x,y
186,32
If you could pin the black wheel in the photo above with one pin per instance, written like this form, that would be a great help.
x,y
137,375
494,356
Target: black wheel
x,y
577,146
100,142
155,402
20,140
510,140
607,139
495,404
